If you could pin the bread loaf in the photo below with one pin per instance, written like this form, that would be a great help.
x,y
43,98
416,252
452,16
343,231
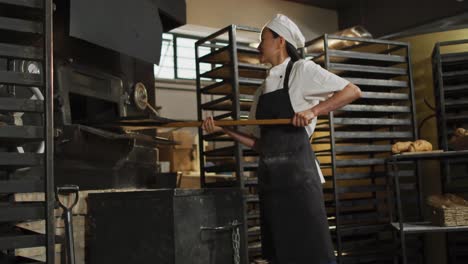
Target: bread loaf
x,y
400,147
420,145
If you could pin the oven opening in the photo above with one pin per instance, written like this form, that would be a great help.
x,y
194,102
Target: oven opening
x,y
85,110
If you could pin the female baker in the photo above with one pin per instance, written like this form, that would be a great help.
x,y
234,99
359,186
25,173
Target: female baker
x,y
294,224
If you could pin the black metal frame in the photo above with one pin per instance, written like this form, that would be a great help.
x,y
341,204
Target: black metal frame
x,y
398,221
232,79
447,96
379,67
440,90
49,129
11,51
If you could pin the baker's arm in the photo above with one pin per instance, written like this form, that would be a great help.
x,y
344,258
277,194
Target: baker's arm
x,y
209,126
339,99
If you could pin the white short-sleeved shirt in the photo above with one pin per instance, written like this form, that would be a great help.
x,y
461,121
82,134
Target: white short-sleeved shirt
x,y
309,84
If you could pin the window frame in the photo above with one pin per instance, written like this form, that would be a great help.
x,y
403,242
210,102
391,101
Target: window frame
x,y
173,42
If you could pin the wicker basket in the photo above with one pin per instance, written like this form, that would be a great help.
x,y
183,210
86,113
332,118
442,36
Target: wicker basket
x,y
453,216
448,210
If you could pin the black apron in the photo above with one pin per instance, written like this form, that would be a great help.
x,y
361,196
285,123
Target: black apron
x,y
294,223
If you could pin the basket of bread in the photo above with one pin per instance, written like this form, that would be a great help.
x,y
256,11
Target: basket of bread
x,y
459,140
448,210
417,146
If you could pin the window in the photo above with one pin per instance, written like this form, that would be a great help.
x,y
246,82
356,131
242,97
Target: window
x,y
178,57
166,63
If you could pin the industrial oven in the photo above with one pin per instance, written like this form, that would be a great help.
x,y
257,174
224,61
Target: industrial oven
x,y
105,53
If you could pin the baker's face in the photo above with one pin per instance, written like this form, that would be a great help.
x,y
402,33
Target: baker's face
x,y
269,46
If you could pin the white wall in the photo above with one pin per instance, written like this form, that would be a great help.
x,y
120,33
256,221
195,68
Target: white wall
x,y
312,21
177,99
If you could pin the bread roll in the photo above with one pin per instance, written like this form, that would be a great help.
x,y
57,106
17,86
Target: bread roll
x,y
420,145
460,132
456,199
446,201
400,147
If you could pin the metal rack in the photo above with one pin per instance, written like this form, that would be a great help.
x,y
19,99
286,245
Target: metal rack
x,y
353,142
235,75
27,120
403,224
450,73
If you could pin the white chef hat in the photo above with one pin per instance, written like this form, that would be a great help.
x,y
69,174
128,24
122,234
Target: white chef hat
x,y
284,26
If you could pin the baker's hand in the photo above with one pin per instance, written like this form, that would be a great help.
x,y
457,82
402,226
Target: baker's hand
x,y
303,118
209,126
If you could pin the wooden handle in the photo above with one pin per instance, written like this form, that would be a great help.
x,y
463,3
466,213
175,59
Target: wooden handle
x,y
231,123
218,123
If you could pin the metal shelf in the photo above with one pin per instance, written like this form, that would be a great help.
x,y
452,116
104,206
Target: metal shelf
x,y
357,139
19,160
457,57
401,221
21,105
19,135
14,212
359,175
226,104
361,58
18,78
246,86
223,55
353,137
20,25
21,186
363,148
396,84
360,189
451,75
238,75
24,3
427,227
456,104
375,108
457,118
229,152
354,70
251,198
15,33
20,52
384,96
250,181
21,239
372,121
230,167
18,260
245,70
359,162
456,90
357,202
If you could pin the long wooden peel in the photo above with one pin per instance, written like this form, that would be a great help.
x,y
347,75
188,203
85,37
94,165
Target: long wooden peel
x,y
249,122
217,123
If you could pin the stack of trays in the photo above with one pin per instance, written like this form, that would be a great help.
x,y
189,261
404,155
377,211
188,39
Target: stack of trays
x,y
353,142
235,74
450,73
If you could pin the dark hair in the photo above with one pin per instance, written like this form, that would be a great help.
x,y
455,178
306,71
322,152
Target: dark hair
x,y
290,49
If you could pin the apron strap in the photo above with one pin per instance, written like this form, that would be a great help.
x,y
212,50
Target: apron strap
x,y
286,80
286,75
